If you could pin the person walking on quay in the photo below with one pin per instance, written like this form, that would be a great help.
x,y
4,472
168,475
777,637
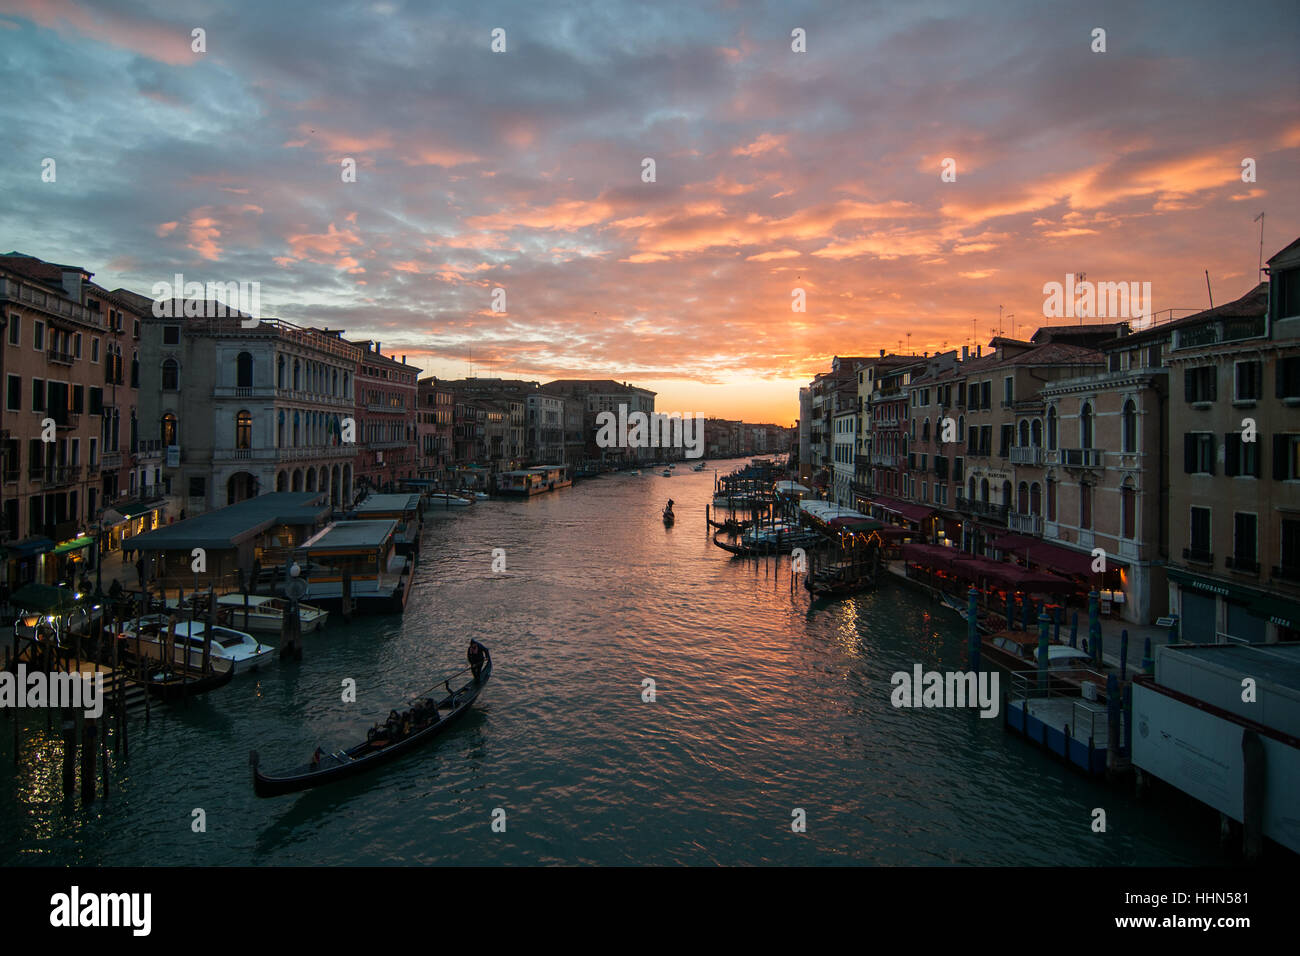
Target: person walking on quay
x,y
139,570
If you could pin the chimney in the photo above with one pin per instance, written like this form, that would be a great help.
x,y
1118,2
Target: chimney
x,y
377,351
979,350
965,352
403,359
882,353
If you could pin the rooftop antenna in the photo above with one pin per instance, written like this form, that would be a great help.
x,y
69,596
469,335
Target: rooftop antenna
x,y
999,321
909,343
1078,291
1260,219
1207,288
1012,317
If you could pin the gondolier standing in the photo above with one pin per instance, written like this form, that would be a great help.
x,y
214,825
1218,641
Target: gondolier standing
x,y
477,656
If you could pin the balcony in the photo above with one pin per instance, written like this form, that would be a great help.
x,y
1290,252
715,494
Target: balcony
x,y
61,476
60,358
65,419
1082,457
1027,455
1287,572
1243,564
151,450
985,508
1198,556
1025,524
110,460
1224,330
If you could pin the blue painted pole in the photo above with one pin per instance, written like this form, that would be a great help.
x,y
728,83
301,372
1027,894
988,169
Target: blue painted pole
x,y
1056,615
1028,607
1128,719
1173,632
1094,621
1043,652
972,630
1011,611
1123,653
1074,629
1148,664
1112,720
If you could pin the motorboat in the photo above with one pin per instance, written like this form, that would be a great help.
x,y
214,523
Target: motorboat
x,y
264,613
243,650
445,499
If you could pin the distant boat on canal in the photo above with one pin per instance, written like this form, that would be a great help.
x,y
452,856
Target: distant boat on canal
x,y
242,650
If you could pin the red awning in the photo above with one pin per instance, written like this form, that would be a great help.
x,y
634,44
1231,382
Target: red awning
x,y
1012,542
1053,557
909,511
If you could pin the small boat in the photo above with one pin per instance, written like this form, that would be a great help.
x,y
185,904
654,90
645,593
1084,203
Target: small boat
x,y
699,467
770,541
426,720
170,685
667,473
243,650
445,499
843,579
636,473
264,613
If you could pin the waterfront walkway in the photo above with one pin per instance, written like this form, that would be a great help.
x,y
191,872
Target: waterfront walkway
x,y
1110,629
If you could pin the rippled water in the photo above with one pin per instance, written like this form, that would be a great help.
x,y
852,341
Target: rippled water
x,y
763,706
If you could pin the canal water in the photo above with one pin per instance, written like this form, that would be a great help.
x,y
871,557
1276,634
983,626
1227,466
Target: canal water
x,y
762,706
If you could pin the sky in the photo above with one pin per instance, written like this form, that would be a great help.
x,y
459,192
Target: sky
x,y
774,170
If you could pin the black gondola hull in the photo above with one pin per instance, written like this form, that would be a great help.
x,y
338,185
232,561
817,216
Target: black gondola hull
x,y
274,785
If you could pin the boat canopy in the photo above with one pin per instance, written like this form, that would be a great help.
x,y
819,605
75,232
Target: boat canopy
x,y
826,511
791,488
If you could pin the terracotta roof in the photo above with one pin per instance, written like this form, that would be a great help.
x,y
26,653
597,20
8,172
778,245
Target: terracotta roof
x,y
1254,303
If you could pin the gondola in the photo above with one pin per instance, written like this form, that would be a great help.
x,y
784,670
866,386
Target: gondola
x,y
669,518
378,748
783,544
732,525
170,686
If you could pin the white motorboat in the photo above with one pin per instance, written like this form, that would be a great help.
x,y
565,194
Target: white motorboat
x,y
243,651
667,473
445,499
265,613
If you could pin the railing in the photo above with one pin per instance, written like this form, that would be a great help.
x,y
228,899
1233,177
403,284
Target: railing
x,y
1025,524
54,304
110,459
66,419
388,409
1198,556
1082,457
1226,330
63,358
61,475
1026,455
1248,565
986,508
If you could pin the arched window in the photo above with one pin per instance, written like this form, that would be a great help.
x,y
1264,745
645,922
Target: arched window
x,y
1036,433
1085,506
279,432
1051,499
984,490
170,429
347,393
1128,510
1085,425
297,375
1130,426
279,371
297,430
1024,433
244,370
1035,499
171,376
135,369
334,382
1051,428
1022,498
925,429
244,430
1006,494
961,427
